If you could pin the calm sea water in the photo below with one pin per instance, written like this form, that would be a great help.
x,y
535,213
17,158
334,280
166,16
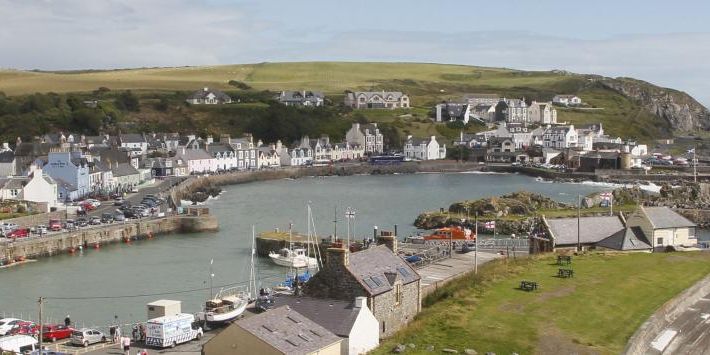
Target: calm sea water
x,y
180,262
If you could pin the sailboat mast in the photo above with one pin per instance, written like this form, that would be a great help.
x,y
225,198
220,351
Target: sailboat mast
x,y
252,271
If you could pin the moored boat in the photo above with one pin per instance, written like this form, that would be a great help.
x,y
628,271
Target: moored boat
x,y
295,258
451,233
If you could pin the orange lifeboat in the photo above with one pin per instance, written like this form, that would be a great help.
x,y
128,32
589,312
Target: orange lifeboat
x,y
451,233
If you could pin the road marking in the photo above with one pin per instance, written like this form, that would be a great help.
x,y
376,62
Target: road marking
x,y
662,341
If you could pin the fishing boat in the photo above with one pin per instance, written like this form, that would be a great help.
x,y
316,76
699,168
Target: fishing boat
x,y
226,306
451,233
295,258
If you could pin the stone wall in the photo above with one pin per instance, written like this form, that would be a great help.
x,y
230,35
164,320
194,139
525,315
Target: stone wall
x,y
35,219
392,316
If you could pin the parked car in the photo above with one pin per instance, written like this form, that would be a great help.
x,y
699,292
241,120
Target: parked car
x,y
18,233
129,213
86,337
7,227
119,217
55,225
41,229
82,222
24,328
6,324
94,202
69,224
54,332
107,217
87,206
95,220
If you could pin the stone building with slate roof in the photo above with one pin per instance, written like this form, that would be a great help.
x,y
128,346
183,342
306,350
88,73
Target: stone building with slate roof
x,y
301,98
391,285
376,99
663,227
208,96
278,331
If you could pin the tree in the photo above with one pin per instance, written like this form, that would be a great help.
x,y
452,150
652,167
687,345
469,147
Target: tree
x,y
127,101
239,85
162,105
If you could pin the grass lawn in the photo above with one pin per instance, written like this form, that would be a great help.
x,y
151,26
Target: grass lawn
x,y
597,311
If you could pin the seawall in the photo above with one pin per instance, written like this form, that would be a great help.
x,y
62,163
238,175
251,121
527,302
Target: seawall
x,y
67,242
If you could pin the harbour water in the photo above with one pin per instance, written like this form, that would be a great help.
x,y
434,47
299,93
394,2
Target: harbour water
x,y
100,287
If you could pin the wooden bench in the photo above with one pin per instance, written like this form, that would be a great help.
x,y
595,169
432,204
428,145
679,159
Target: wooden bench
x,y
564,260
565,273
528,285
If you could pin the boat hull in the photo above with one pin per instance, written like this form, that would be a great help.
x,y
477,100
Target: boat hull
x,y
297,262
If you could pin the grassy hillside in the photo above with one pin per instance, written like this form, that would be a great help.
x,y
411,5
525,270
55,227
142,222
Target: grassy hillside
x,y
595,312
427,84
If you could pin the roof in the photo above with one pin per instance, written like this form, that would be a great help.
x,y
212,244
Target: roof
x,y
631,238
396,95
202,94
481,96
193,154
132,138
219,148
7,156
300,96
558,129
335,315
591,229
372,266
123,169
664,217
565,96
288,331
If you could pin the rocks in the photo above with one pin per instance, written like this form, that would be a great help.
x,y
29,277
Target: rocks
x,y
400,348
430,348
411,345
470,352
449,351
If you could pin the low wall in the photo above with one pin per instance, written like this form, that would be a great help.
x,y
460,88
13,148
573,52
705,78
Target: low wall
x,y
639,342
35,219
92,237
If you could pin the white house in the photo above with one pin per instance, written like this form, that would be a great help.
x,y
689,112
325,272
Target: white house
x,y
40,188
567,100
268,156
301,98
542,112
367,136
197,160
300,156
135,143
208,96
517,111
376,99
560,137
225,158
452,111
663,227
7,161
424,149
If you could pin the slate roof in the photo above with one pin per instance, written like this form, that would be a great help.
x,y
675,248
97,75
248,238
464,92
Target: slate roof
x,y
371,266
415,141
193,154
33,149
558,129
454,110
335,315
664,217
7,157
132,138
369,128
288,331
591,229
396,95
300,96
123,169
631,238
214,148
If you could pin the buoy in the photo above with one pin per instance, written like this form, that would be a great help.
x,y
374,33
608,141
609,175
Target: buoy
x,y
96,245
150,235
71,250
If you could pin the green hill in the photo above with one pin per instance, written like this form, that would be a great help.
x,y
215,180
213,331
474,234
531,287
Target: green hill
x,y
624,107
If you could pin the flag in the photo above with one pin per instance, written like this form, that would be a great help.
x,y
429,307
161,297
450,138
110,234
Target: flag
x,y
491,225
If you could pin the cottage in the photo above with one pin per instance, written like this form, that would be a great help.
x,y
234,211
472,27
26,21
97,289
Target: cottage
x,y
40,188
224,156
566,233
125,176
567,100
71,172
278,331
664,227
367,136
244,149
352,321
423,149
11,187
391,286
376,99
484,112
208,96
198,161
268,156
135,143
301,98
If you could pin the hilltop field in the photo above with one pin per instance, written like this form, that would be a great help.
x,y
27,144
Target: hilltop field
x,y
427,84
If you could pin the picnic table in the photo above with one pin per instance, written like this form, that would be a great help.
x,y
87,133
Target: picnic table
x,y
565,273
528,285
564,260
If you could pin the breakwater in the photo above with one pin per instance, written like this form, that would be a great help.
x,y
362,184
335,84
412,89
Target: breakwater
x,y
95,237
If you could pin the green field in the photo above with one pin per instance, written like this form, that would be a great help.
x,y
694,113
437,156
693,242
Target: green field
x,y
427,84
610,296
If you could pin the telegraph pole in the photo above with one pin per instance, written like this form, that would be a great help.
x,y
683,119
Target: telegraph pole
x,y
475,252
579,213
39,340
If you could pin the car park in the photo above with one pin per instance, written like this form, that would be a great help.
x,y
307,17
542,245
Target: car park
x,y
86,337
25,328
55,225
54,332
107,217
95,220
18,233
82,222
119,217
41,229
70,224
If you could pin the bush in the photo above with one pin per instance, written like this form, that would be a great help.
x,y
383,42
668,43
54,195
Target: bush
x,y
239,85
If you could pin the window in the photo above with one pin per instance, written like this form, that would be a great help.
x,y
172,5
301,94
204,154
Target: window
x,y
397,294
659,241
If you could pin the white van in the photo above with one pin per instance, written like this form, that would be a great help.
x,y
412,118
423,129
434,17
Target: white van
x,y
21,344
172,330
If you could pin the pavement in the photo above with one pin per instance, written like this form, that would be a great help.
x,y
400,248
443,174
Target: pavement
x,y
190,348
689,333
441,272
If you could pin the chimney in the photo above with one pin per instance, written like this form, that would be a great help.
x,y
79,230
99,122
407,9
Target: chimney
x,y
389,239
337,258
360,302
279,145
206,89
210,140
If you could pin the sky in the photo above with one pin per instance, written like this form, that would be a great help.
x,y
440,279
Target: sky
x,y
663,42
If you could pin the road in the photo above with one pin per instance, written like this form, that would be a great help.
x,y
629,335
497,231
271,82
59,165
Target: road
x,y
688,334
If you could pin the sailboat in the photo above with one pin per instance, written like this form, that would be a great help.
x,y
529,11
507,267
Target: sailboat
x,y
298,258
230,303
